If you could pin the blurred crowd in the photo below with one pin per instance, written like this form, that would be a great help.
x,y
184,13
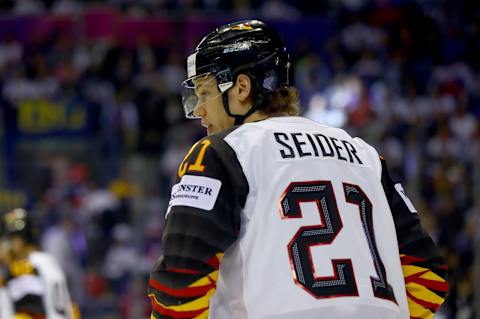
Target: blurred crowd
x,y
403,75
285,9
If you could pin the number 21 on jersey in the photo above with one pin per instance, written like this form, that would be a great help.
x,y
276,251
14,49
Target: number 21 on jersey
x,y
197,165
343,282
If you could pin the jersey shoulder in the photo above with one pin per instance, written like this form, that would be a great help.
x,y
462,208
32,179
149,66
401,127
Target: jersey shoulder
x,y
21,267
47,265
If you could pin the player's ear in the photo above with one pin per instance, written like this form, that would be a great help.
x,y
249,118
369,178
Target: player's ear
x,y
243,87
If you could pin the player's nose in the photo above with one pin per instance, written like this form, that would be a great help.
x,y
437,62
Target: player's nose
x,y
199,110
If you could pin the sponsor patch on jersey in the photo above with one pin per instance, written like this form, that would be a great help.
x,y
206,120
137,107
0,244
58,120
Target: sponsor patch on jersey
x,y
403,195
195,191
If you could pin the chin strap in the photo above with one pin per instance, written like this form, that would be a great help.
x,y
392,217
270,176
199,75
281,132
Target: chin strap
x,y
239,118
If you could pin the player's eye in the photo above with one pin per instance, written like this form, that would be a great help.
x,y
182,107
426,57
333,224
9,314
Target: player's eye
x,y
202,95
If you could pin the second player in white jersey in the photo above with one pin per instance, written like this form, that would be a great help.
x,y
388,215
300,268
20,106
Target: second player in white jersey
x,y
33,284
45,281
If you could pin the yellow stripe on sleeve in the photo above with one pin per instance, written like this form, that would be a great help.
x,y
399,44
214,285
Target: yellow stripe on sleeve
x,y
418,311
420,292
193,305
207,280
409,270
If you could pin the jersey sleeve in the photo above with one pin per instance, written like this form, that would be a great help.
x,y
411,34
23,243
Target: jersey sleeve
x,y
424,269
202,221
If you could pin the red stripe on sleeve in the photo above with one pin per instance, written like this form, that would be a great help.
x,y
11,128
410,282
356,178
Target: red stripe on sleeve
x,y
182,292
175,314
214,262
408,259
184,271
432,284
424,303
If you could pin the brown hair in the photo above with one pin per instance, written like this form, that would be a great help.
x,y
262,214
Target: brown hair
x,y
281,101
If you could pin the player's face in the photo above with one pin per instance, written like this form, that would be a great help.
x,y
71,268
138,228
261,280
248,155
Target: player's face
x,y
5,250
210,106
17,245
11,246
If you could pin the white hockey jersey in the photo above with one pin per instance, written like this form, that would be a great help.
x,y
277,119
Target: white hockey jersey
x,y
35,286
294,220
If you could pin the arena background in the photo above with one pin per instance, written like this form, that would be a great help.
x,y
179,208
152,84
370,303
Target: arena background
x,y
92,127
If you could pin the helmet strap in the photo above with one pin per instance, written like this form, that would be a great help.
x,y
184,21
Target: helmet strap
x,y
239,118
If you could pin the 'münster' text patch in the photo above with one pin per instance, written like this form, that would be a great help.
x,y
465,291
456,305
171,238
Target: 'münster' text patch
x,y
195,191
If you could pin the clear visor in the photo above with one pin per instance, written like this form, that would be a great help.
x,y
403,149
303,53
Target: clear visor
x,y
197,91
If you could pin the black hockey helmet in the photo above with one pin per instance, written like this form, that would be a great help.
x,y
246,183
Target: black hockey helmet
x,y
17,222
233,48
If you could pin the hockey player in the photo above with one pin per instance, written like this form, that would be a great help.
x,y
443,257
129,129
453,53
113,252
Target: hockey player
x,y
274,216
33,284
